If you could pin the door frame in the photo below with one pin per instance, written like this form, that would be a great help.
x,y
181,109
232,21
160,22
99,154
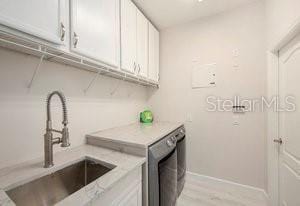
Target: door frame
x,y
273,117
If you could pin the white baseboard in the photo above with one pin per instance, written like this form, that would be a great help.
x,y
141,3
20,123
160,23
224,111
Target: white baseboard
x,y
225,185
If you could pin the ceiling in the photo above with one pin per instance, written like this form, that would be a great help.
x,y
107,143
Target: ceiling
x,y
167,13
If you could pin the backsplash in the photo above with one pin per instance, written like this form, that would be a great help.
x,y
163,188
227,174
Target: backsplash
x,y
107,104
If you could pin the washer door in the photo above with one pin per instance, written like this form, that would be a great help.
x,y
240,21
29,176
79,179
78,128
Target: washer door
x,y
167,172
181,165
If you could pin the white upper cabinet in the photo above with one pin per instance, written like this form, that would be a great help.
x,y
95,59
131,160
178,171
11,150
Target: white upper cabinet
x,y
142,45
153,53
43,19
128,36
139,43
95,30
107,33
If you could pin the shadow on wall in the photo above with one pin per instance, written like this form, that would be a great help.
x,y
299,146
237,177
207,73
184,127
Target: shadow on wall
x,y
17,71
151,92
108,103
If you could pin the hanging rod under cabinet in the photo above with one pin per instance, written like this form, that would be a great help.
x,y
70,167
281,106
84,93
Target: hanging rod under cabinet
x,y
50,53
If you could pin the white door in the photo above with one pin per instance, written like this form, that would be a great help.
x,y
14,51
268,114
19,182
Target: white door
x,y
95,29
153,67
128,36
142,45
43,19
289,124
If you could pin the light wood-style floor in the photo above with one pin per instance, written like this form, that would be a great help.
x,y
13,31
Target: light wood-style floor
x,y
202,194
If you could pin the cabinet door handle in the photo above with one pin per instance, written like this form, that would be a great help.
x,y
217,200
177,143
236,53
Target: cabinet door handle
x,y
139,68
134,67
76,39
63,32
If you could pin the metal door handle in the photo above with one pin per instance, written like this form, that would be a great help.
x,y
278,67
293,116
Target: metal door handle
x,y
63,32
279,141
76,39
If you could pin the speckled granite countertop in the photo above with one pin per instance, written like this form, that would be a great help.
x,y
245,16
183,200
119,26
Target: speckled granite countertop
x,y
27,172
137,134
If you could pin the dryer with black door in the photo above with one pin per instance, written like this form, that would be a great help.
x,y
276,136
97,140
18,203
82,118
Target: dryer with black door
x,y
162,172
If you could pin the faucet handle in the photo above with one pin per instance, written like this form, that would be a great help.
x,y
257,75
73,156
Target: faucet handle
x,y
65,137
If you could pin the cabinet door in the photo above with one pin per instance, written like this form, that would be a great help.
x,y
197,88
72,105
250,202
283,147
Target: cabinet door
x,y
153,53
43,19
142,45
128,36
132,198
95,29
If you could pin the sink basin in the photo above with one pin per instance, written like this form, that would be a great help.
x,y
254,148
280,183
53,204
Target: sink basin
x,y
53,188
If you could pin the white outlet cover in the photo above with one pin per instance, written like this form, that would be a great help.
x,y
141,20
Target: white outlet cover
x,y
236,120
189,118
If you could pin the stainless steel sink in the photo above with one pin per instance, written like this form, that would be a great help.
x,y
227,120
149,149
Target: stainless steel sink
x,y
53,188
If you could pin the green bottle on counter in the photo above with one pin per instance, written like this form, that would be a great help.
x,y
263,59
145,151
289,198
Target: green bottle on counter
x,y
146,117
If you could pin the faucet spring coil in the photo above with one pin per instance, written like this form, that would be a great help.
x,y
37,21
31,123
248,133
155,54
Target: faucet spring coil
x,y
64,106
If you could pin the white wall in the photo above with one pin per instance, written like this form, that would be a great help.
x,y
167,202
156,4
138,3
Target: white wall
x,y
216,147
23,112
